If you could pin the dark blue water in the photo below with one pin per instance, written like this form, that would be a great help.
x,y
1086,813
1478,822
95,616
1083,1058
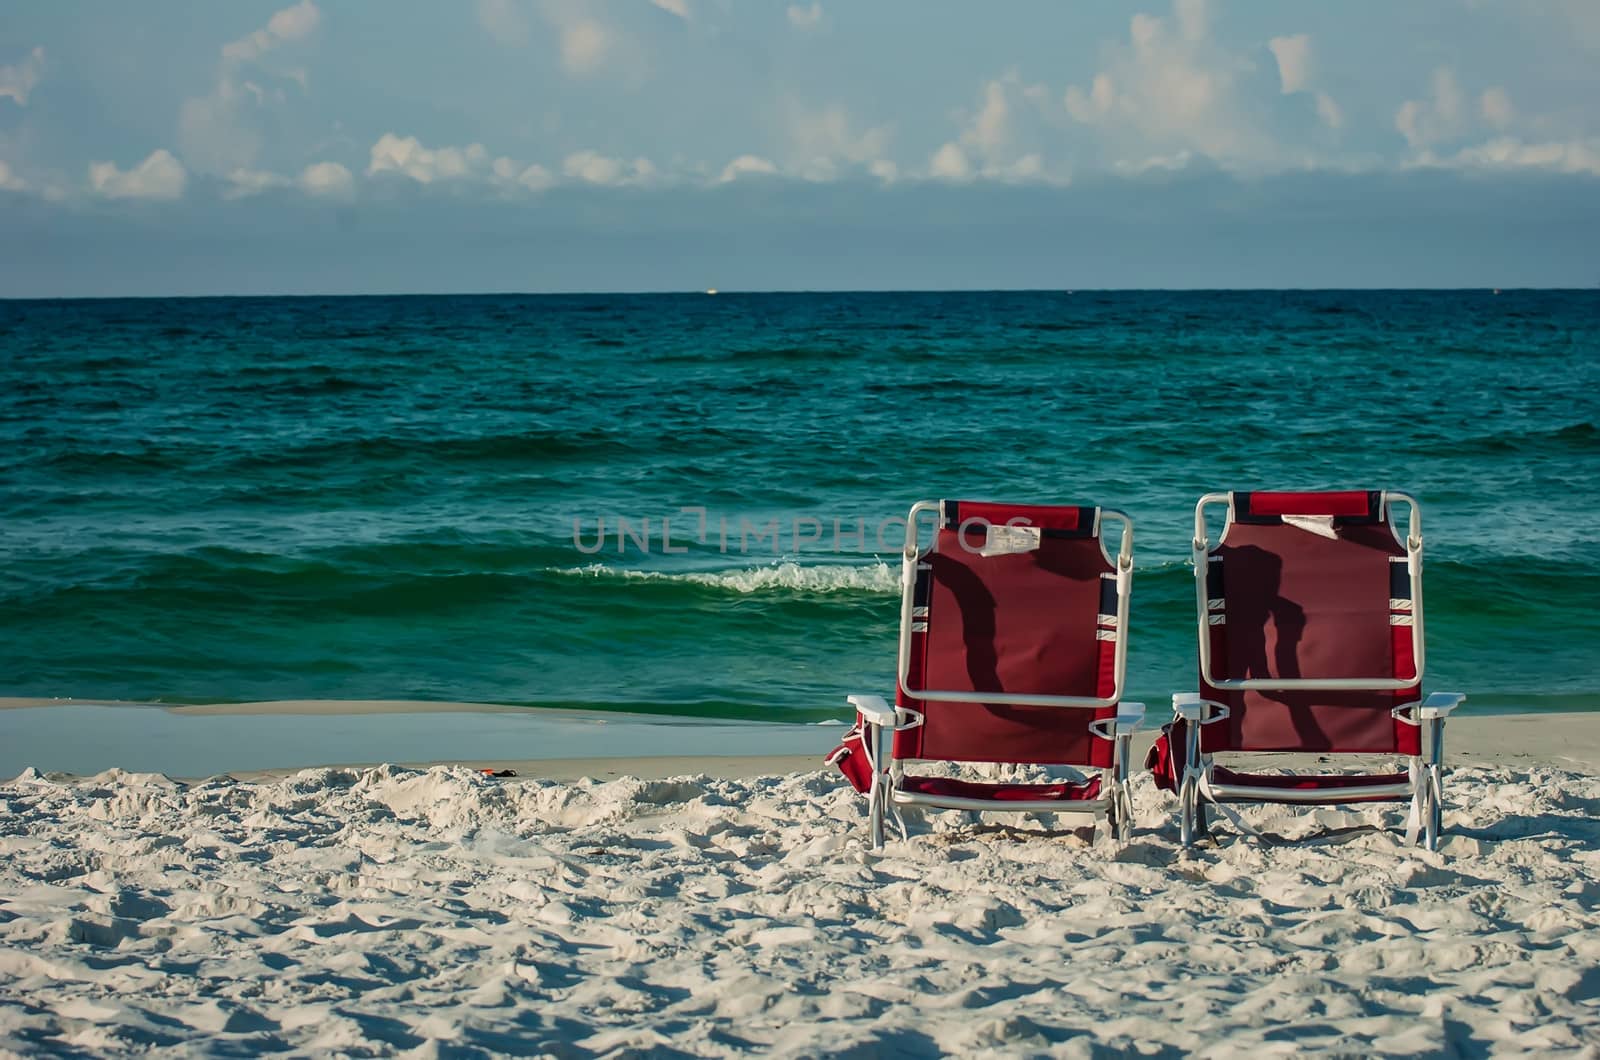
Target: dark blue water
x,y
234,499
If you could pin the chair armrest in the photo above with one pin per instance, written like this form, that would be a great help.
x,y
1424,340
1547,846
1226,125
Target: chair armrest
x,y
875,709
1439,705
1130,718
1190,706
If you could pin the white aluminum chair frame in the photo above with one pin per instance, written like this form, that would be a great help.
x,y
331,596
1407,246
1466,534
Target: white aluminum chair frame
x,y
1425,771
881,719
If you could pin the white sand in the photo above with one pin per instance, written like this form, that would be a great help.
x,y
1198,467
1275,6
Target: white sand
x,y
439,912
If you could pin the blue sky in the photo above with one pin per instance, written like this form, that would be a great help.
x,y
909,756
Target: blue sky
x,y
677,144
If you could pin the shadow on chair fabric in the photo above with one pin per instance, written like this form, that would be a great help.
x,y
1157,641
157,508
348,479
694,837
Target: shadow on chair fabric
x,y
1012,649
1309,618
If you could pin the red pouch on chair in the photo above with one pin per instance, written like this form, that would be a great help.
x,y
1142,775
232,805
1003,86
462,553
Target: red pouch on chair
x,y
1162,760
851,758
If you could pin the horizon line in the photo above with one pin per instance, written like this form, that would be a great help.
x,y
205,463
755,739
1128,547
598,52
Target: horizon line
x,y
718,292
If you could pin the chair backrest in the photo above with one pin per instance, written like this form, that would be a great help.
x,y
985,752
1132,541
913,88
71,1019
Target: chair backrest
x,y
1043,620
1310,587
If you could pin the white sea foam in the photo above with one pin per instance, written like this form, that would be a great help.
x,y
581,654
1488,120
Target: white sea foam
x,y
819,578
787,575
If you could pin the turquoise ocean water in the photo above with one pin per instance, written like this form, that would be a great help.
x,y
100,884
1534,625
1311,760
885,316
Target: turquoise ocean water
x,y
239,499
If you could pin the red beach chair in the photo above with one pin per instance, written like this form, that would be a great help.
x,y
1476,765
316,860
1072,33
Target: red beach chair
x,y
1311,641
1013,638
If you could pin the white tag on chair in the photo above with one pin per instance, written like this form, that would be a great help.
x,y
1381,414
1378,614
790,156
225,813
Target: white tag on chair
x,y
1010,540
1321,525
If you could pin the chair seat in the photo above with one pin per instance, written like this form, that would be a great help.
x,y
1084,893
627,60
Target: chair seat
x,y
1345,787
949,787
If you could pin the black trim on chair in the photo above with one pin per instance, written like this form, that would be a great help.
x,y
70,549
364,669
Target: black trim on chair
x,y
1108,597
1242,512
1088,521
1399,578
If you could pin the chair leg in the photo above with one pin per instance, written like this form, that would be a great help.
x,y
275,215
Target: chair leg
x,y
1119,812
1191,810
1417,816
1433,778
1188,805
1434,817
1123,788
875,816
877,794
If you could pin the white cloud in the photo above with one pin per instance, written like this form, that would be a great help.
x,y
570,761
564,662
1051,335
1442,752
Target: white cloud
x,y
243,183
1572,156
425,165
1294,61
513,174
991,134
583,45
676,7
1449,115
1168,163
1295,74
991,128
594,168
290,24
18,80
321,179
884,170
327,180
1028,167
588,44
1428,121
746,165
213,131
294,23
217,133
407,156
950,163
1329,111
585,42
504,20
805,17
535,177
1092,106
1194,18
1171,88
159,176
9,181
1495,104
819,141
1408,120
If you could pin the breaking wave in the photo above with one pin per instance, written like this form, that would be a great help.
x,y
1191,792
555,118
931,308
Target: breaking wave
x,y
786,575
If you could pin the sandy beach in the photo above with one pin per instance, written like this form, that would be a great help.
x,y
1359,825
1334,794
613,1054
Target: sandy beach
x,y
720,905
465,467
